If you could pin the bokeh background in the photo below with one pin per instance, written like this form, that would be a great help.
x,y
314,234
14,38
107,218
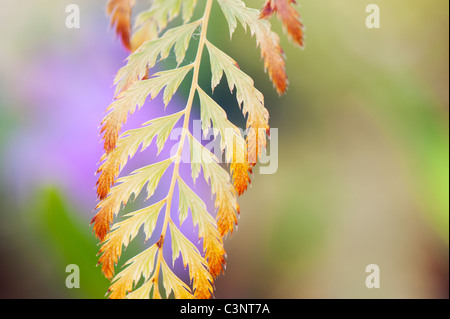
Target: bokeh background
x,y
363,152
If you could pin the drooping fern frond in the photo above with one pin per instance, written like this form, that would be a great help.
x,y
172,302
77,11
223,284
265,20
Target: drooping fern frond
x,y
290,17
151,43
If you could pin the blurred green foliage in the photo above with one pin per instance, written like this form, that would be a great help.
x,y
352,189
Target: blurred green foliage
x,y
66,239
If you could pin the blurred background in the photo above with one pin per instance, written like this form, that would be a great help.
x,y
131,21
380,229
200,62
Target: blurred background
x,y
363,152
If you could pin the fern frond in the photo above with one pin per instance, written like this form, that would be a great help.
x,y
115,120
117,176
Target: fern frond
x,y
121,193
219,181
198,267
129,144
162,12
231,140
124,232
136,95
147,55
252,103
120,12
133,88
139,266
172,283
207,227
268,41
289,16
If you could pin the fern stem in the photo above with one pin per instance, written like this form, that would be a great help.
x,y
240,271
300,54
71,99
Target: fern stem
x,y
187,113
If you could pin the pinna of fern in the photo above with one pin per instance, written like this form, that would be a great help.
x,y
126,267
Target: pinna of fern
x,y
151,42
